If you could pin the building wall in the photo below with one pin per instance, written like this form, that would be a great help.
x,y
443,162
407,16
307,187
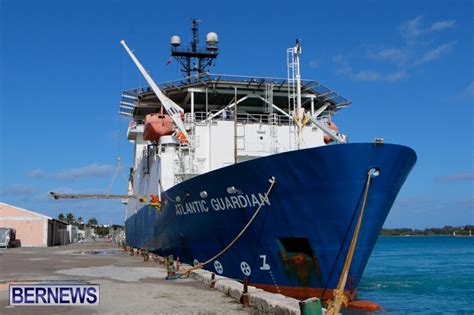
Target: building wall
x,y
31,228
57,233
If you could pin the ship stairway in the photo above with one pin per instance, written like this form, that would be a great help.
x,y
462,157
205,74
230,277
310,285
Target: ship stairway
x,y
268,98
128,102
292,71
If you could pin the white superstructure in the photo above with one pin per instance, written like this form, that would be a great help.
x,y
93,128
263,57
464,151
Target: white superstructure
x,y
225,120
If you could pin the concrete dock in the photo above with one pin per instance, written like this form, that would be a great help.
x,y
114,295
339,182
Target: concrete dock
x,y
128,285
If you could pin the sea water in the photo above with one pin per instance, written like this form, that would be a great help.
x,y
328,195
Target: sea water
x,y
421,275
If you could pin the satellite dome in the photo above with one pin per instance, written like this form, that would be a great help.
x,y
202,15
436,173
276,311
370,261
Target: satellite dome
x,y
211,38
211,41
175,41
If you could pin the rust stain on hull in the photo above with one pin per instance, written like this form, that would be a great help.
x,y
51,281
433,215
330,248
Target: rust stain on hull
x,y
303,293
300,262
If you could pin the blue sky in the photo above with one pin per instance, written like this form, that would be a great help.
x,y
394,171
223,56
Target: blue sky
x,y
407,66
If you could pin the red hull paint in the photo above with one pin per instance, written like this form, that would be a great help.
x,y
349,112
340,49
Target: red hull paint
x,y
303,293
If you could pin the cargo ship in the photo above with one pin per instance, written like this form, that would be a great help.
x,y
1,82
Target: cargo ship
x,y
252,176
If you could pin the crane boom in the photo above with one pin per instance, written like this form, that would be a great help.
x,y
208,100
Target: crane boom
x,y
171,107
91,196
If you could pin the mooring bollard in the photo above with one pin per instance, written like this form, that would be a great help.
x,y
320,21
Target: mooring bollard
x,y
213,281
245,294
311,306
170,266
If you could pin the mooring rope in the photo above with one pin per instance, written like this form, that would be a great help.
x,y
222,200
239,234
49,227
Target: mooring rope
x,y
335,304
262,202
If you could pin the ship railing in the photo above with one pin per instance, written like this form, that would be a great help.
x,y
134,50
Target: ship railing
x,y
190,49
322,93
246,118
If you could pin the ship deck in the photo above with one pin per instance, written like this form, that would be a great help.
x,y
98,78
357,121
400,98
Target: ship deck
x,y
213,92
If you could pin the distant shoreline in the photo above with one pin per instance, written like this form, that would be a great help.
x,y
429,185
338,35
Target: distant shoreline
x,y
455,231
440,235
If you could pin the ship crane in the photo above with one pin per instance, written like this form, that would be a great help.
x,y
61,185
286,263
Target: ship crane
x,y
154,200
91,196
171,108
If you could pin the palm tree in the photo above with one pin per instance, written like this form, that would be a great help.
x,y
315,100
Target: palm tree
x,y
92,221
61,217
79,222
70,218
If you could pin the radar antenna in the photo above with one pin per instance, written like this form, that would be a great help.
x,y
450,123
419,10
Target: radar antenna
x,y
194,59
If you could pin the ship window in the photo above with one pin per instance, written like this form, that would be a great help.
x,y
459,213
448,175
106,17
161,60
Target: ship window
x,y
296,245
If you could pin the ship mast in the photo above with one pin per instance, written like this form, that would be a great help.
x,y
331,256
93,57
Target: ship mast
x,y
299,111
294,89
194,59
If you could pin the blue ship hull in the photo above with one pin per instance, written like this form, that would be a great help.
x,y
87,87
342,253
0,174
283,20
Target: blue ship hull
x,y
299,240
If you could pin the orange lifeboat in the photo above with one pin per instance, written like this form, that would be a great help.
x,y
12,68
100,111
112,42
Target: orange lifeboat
x,y
157,125
333,127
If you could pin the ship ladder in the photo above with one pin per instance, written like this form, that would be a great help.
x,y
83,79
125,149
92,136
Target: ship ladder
x,y
272,181
334,305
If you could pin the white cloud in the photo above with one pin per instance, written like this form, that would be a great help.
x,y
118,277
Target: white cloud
x,y
89,171
469,90
396,76
413,29
395,55
435,53
367,75
19,190
344,69
456,177
37,173
442,25
411,54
